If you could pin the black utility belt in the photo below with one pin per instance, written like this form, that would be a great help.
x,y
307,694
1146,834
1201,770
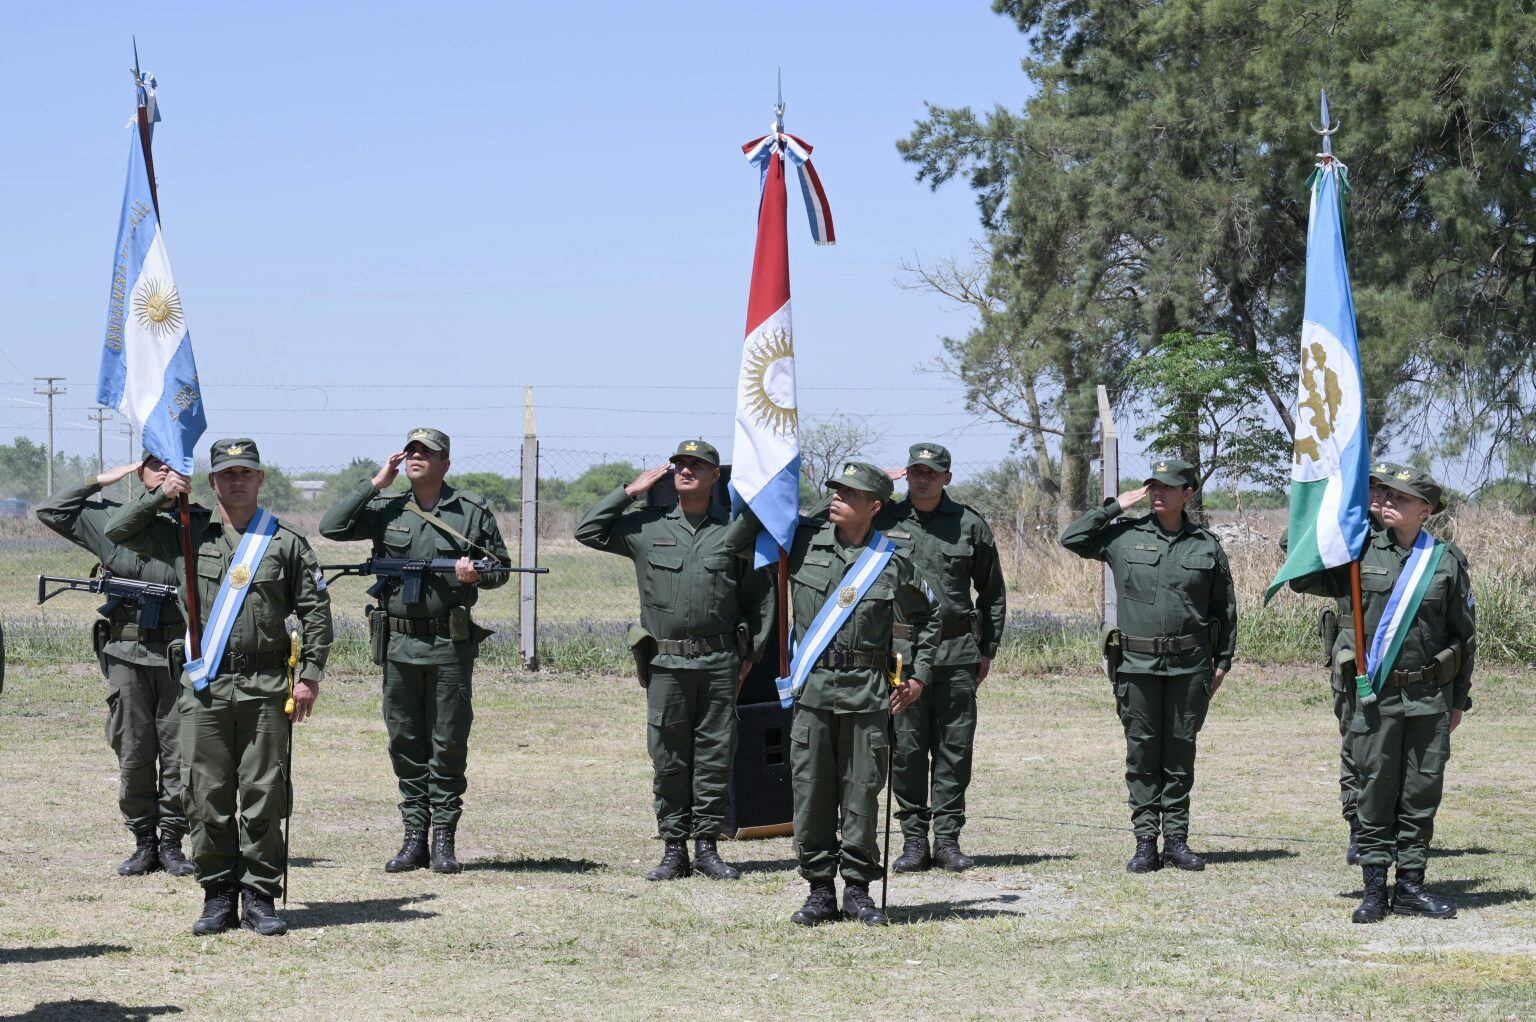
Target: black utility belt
x,y
1424,675
419,627
1163,645
252,663
133,633
696,646
953,630
842,659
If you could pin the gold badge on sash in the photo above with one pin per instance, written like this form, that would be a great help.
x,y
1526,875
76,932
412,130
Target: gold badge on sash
x,y
847,596
239,575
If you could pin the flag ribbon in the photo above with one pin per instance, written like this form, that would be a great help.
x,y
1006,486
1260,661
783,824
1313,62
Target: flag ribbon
x,y
797,151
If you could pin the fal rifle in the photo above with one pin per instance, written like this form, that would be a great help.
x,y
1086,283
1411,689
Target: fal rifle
x,y
406,573
149,597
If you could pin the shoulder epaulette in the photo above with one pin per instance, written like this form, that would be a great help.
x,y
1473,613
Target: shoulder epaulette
x,y
1458,553
472,498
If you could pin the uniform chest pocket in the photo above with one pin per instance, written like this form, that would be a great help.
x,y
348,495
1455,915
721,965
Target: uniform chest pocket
x,y
957,562
664,569
1140,566
1436,593
875,616
397,541
1374,580
721,581
814,574
1197,568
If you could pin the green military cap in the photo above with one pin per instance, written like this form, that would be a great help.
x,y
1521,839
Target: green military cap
x,y
1417,484
861,475
697,449
1172,472
934,456
1383,471
238,453
426,436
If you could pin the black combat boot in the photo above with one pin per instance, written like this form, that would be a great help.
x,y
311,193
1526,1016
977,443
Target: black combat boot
x,y
820,906
1409,898
1373,907
914,856
219,910
443,859
948,856
674,863
857,904
1176,853
707,861
260,915
171,859
1146,859
145,857
412,853
1352,853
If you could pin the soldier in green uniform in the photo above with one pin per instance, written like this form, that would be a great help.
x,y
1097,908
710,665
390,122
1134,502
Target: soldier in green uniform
x,y
1172,648
1402,738
427,648
951,547
234,732
703,614
840,739
142,723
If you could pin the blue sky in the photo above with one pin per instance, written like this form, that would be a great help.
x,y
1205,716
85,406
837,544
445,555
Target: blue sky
x,y
392,214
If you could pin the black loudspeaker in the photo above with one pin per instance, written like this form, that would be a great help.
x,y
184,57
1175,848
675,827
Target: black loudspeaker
x,y
760,801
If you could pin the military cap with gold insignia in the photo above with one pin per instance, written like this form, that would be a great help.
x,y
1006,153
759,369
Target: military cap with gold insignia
x,y
1383,471
1417,484
238,453
1172,472
861,475
426,436
697,449
934,456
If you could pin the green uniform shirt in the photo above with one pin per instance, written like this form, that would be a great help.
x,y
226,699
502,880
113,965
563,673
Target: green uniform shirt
x,y
286,582
1168,583
817,563
953,549
1447,616
690,584
83,521
395,531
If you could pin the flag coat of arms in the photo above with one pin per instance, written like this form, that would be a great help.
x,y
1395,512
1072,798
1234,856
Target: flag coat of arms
x,y
147,370
1330,460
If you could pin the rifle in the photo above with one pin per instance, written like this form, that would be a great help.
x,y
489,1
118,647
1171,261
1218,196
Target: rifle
x,y
149,597
406,573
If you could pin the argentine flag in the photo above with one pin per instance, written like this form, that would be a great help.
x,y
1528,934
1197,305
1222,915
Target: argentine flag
x,y
1331,458
147,370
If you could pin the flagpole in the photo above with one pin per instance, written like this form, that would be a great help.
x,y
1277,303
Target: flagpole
x,y
784,620
183,503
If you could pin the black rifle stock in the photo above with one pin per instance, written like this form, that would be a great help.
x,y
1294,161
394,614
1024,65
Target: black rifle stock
x,y
407,573
149,597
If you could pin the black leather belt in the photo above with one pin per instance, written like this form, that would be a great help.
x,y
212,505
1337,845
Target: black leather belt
x,y
251,663
419,626
953,630
1403,679
841,659
1163,645
696,646
133,633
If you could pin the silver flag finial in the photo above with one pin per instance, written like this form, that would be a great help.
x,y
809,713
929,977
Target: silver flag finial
x,y
1328,128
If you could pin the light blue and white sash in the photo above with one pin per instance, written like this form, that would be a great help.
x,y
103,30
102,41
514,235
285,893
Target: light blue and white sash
x,y
834,613
1402,605
233,590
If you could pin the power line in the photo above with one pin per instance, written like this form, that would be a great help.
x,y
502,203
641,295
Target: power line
x,y
49,391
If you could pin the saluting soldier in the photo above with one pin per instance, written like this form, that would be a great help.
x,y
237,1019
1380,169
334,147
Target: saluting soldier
x,y
1173,646
143,728
253,572
427,648
849,585
952,547
705,617
1421,616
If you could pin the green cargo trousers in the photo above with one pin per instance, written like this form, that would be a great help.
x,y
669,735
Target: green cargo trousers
x,y
939,729
1162,715
1402,773
837,765
691,735
234,789
1344,710
428,711
144,730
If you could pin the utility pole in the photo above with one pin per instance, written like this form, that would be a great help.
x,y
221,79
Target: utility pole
x,y
99,416
50,392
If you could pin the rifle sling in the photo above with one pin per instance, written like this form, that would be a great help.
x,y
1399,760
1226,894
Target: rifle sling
x,y
448,530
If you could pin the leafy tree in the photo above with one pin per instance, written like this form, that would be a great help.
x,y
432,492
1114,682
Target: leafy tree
x,y
595,483
500,493
24,470
355,472
826,445
1515,494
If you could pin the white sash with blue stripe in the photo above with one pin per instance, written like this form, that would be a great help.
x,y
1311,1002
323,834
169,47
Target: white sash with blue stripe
x,y
233,590
834,613
1401,606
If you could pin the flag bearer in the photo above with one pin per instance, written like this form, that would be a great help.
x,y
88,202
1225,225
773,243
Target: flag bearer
x,y
1170,652
253,573
705,617
1421,617
849,585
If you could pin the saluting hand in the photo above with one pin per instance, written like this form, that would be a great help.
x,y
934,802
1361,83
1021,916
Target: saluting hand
x,y
175,485
1131,498
907,694
112,475
645,480
896,474
388,471
304,695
